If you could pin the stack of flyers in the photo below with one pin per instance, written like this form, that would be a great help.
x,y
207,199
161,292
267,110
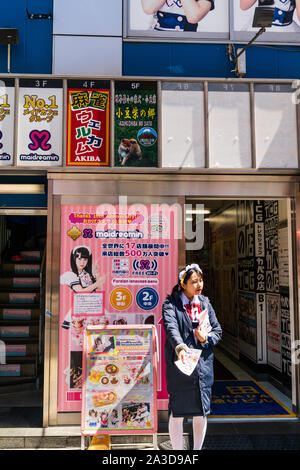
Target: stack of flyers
x,y
191,359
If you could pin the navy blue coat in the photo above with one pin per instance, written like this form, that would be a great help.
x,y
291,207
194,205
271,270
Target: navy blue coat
x,y
179,329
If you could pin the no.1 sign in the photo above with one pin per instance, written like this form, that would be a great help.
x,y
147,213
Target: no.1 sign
x,y
147,298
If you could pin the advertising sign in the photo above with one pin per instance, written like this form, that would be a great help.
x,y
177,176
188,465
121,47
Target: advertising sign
x,y
119,380
88,123
7,107
285,26
207,20
136,141
40,118
122,262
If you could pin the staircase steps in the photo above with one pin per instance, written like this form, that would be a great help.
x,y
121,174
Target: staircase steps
x,y
19,321
23,314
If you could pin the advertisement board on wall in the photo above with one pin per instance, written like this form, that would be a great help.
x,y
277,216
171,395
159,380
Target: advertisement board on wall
x,y
40,122
119,380
88,118
286,21
122,261
136,127
7,109
211,20
207,20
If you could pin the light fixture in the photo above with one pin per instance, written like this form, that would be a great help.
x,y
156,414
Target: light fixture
x,y
197,211
22,189
263,18
9,36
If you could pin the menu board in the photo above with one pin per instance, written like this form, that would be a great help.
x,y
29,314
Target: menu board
x,y
88,123
119,380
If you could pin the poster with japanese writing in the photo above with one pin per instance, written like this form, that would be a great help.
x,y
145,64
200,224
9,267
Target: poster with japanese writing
x,y
136,140
119,380
88,128
273,331
128,253
40,118
7,107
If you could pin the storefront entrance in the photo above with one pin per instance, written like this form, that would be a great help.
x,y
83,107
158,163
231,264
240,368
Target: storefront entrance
x,y
22,287
246,255
245,239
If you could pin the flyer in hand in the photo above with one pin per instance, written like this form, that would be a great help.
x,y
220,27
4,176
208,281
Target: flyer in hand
x,y
191,359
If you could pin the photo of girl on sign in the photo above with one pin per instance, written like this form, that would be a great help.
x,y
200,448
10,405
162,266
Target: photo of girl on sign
x,y
286,14
81,277
177,15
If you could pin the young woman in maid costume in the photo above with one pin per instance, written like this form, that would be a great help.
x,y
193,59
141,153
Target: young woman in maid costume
x,y
189,395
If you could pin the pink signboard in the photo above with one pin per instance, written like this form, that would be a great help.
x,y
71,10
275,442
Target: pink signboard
x,y
119,380
125,260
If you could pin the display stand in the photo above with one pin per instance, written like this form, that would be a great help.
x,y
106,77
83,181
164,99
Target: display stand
x,y
119,385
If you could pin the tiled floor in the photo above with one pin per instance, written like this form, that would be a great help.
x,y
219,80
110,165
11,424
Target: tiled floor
x,y
241,374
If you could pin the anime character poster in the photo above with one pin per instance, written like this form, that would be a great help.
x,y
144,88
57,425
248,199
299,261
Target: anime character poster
x,y
88,120
40,117
7,107
178,18
136,140
285,24
117,265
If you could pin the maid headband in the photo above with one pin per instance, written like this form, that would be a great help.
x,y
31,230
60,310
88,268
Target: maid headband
x,y
182,273
81,246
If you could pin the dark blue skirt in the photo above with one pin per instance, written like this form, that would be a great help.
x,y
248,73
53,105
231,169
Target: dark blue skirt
x,y
185,404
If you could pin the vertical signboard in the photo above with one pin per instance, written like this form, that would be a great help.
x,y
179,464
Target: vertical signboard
x,y
272,284
135,124
130,254
88,108
40,118
119,380
7,106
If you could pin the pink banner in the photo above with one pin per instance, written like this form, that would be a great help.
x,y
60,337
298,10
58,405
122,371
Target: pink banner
x,y
130,256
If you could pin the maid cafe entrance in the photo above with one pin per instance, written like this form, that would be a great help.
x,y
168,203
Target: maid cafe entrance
x,y
246,251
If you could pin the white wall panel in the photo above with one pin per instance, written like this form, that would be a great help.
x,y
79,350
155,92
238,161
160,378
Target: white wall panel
x,y
89,17
229,126
82,55
275,127
182,125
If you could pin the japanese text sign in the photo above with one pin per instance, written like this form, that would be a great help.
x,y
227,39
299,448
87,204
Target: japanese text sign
x,y
88,125
40,118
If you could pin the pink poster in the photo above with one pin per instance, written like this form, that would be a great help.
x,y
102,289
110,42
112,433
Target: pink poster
x,y
117,266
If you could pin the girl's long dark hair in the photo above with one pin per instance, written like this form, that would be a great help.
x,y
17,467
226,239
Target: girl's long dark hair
x,y
84,252
178,289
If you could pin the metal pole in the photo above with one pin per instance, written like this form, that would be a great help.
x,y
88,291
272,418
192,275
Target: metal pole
x,y
8,58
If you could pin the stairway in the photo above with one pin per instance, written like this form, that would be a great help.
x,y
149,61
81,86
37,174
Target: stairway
x,y
20,322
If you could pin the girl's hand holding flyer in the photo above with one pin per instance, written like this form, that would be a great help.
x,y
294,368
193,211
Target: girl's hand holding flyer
x,y
191,358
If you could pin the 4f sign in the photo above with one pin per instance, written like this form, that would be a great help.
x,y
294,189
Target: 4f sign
x,y
296,94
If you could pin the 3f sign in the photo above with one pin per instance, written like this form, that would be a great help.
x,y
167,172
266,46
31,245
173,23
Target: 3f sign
x,y
296,94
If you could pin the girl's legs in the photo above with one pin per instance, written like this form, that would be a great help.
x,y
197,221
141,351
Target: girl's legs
x,y
199,431
176,432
